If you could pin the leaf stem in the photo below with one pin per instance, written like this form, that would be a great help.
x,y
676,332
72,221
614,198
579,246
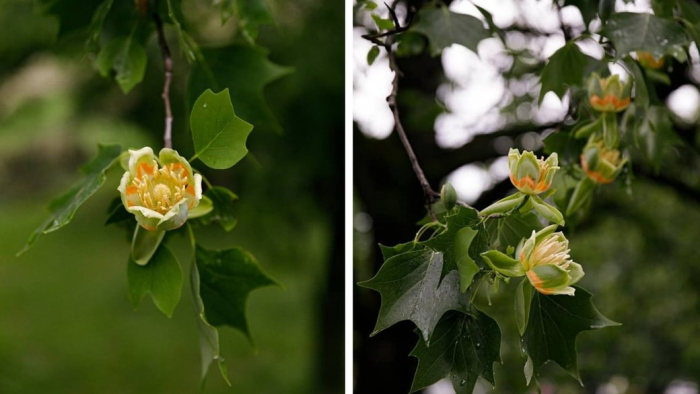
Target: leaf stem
x,y
168,68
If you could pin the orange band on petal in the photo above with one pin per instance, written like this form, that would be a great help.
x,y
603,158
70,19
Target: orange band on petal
x,y
537,282
609,102
131,190
143,167
596,176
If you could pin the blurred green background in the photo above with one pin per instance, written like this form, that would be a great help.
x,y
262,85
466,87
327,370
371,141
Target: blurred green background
x,y
66,325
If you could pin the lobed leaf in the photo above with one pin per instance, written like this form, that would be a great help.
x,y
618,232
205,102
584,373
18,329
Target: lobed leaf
x,y
219,135
464,347
565,68
555,322
226,279
245,71
632,32
409,284
443,28
445,242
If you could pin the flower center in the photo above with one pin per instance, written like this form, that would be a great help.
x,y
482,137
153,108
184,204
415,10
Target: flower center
x,y
162,188
550,251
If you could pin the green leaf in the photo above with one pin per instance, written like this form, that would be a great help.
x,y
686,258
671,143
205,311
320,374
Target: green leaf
x,y
372,54
464,347
245,71
466,266
93,42
219,135
391,251
382,23
632,32
125,59
208,335
250,15
443,28
144,244
223,200
555,322
445,242
523,301
411,290
566,68
64,207
510,230
227,277
162,277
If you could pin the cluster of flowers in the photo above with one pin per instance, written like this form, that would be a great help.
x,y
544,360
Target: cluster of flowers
x,y
544,256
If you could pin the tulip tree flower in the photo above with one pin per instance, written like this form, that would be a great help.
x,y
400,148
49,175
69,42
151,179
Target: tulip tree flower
x,y
531,176
608,94
647,60
160,193
601,164
544,259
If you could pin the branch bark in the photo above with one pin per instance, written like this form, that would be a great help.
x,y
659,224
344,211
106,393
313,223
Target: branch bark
x,y
429,194
168,68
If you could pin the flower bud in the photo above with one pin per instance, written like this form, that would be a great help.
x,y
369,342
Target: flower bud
x,y
448,196
529,174
647,60
601,164
544,259
160,195
608,94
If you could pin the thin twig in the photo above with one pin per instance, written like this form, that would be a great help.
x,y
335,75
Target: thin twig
x,y
428,192
375,37
168,67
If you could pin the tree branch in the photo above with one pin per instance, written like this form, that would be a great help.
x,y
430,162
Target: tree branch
x,y
168,67
375,37
428,192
